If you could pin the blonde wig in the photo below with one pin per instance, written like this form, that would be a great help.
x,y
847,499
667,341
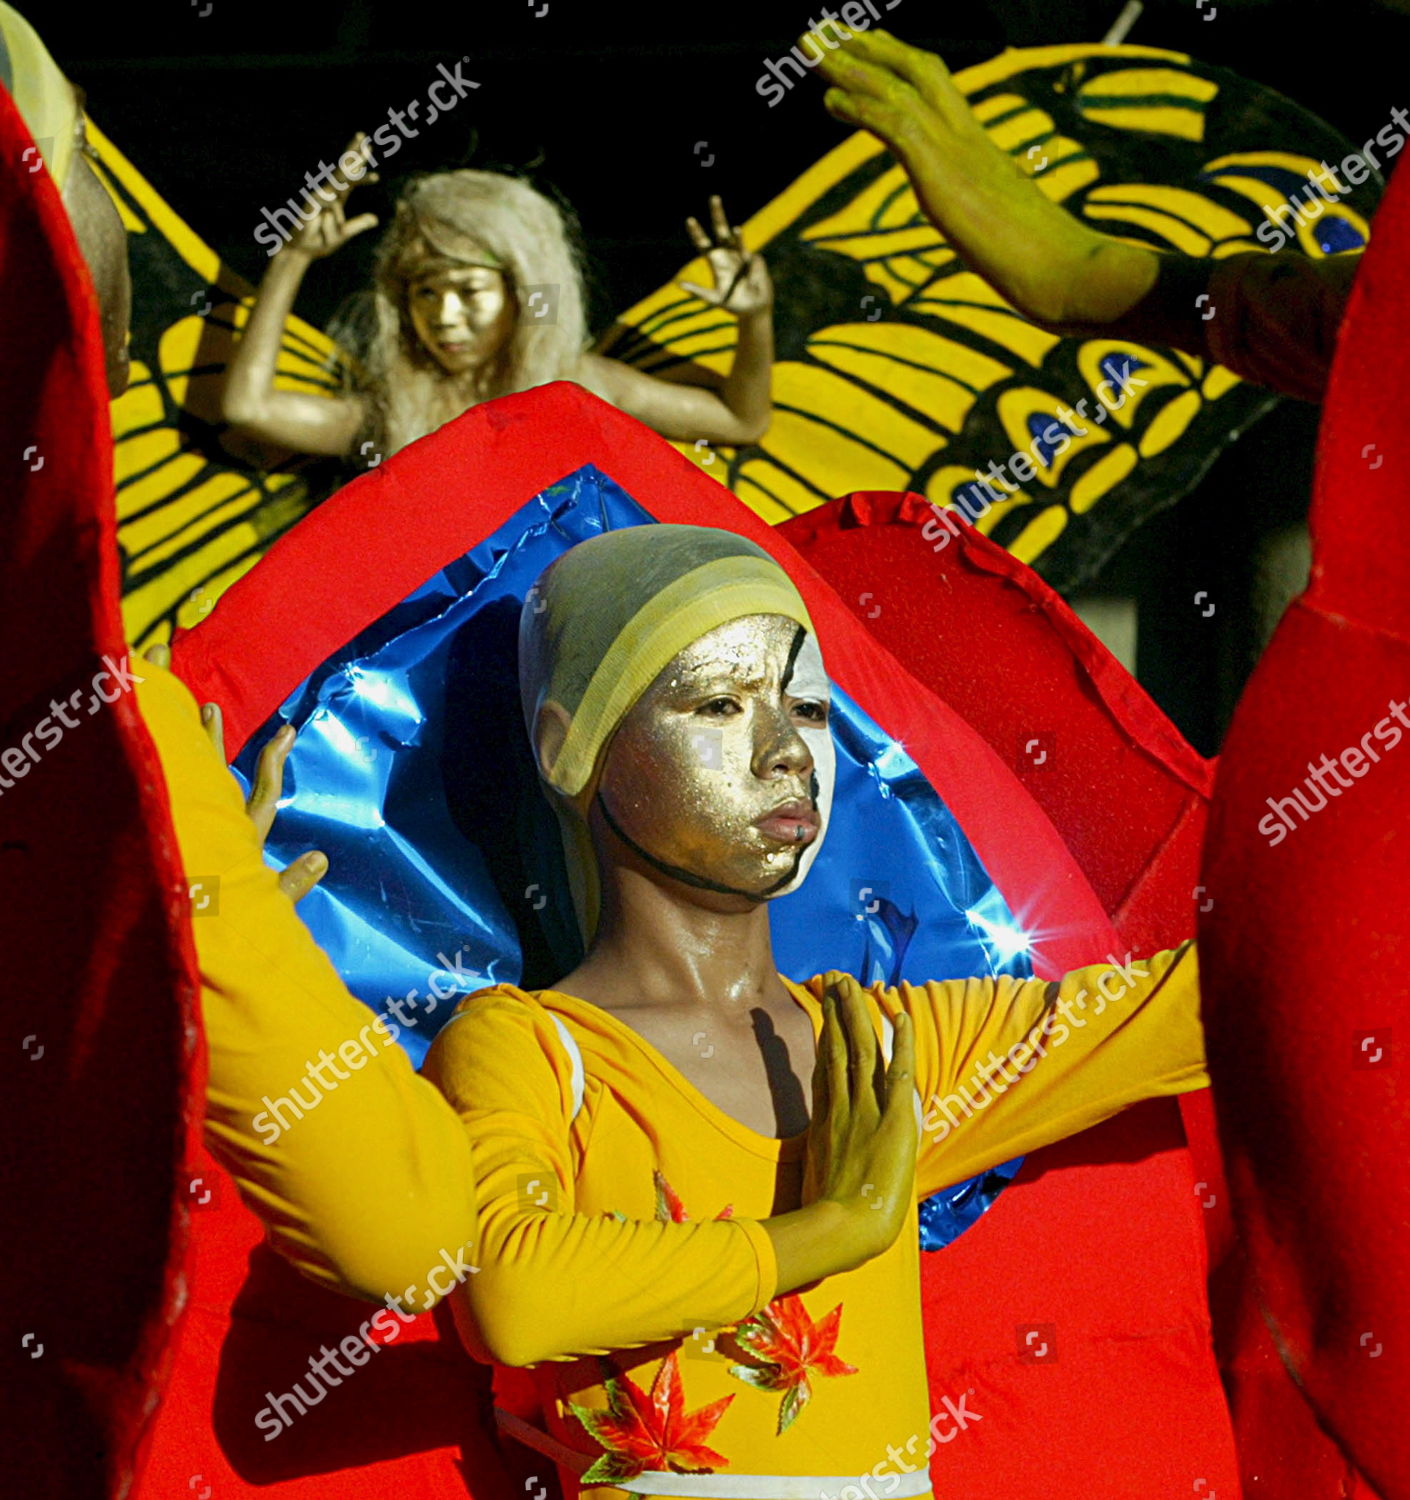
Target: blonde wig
x,y
468,218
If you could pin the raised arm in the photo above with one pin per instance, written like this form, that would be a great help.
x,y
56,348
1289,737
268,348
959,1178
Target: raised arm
x,y
366,1183
1271,318
1055,269
554,1283
731,411
249,400
1005,1065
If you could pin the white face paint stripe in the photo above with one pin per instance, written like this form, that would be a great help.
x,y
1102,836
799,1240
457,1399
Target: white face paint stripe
x,y
808,679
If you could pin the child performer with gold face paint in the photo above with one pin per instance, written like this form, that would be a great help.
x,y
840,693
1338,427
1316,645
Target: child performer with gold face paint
x,y
715,1284
718,1291
477,293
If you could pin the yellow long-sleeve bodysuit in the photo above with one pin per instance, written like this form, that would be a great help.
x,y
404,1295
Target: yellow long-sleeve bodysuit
x,y
619,1248
627,1227
366,1190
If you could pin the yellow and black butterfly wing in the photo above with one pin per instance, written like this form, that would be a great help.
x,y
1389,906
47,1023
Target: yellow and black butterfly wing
x,y
194,510
900,369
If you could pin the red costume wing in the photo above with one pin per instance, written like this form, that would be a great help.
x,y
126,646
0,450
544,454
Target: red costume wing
x,y
101,1074
1308,942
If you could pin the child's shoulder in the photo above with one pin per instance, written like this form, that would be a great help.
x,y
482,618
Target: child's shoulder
x,y
493,1017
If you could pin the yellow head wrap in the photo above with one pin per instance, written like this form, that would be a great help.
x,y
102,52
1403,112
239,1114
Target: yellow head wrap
x,y
43,96
602,622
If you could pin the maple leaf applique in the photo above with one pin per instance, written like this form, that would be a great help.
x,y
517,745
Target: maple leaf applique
x,y
670,1209
641,1430
781,1347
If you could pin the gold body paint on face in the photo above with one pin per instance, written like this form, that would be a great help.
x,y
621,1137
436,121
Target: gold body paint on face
x,y
717,744
463,315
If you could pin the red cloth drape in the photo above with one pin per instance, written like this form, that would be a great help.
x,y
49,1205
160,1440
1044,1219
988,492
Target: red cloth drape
x,y
98,1072
1307,945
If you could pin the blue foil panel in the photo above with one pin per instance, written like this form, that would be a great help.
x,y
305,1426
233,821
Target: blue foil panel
x,y
412,772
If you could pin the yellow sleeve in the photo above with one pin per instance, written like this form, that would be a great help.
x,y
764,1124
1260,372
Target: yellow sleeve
x,y
1005,1065
366,1183
554,1283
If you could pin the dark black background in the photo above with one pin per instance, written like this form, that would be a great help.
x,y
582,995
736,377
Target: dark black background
x,y
224,113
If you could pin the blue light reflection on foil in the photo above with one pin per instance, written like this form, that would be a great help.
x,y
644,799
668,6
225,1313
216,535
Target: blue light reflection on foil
x,y
411,771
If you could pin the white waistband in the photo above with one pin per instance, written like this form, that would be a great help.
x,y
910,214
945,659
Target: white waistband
x,y
719,1486
773,1486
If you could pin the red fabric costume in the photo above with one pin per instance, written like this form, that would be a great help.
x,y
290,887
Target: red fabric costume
x,y
1310,1087
102,1078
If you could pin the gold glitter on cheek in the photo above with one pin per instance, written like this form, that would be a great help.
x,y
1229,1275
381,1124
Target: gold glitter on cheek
x,y
695,782
681,778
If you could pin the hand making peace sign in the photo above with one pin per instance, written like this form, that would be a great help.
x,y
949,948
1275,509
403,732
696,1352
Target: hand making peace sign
x,y
742,285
